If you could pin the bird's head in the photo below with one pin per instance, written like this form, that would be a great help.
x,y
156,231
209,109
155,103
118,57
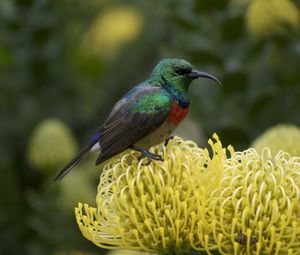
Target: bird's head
x,y
177,73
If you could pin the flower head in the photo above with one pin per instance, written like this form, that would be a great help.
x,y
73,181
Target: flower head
x,y
255,209
113,28
155,208
246,204
283,137
78,186
51,145
267,16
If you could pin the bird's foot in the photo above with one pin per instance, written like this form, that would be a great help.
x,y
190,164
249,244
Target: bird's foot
x,y
146,153
168,140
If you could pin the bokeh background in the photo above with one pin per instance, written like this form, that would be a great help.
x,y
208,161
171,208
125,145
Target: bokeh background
x,y
63,65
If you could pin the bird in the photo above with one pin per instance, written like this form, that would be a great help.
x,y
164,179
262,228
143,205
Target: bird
x,y
146,115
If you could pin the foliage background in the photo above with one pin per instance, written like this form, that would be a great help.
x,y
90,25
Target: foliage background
x,y
59,59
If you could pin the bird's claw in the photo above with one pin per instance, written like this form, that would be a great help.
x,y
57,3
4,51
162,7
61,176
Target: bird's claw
x,y
148,154
152,157
168,140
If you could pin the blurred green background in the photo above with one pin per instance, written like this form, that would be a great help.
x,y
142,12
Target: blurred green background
x,y
63,65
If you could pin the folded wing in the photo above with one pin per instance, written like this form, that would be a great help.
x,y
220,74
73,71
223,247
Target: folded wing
x,y
136,115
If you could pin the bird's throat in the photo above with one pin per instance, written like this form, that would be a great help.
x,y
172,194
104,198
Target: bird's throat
x,y
177,113
178,93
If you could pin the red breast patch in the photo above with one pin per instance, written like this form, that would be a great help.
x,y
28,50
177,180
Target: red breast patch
x,y
177,114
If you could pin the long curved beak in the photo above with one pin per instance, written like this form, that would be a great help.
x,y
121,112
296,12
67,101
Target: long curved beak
x,y
195,74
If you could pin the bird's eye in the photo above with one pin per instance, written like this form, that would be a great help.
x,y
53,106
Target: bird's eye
x,y
182,71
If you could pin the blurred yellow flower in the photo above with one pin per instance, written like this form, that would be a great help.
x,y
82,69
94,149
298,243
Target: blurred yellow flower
x,y
51,145
256,208
283,137
112,29
155,208
78,186
239,3
266,16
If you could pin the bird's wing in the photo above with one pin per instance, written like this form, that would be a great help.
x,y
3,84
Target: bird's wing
x,y
140,112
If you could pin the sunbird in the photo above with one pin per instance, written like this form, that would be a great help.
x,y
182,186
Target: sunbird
x,y
145,116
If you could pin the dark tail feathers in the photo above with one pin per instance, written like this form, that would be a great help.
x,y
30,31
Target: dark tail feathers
x,y
74,161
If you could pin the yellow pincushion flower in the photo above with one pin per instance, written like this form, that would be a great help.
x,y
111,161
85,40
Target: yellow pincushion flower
x,y
266,16
256,208
246,204
51,145
113,28
154,208
283,137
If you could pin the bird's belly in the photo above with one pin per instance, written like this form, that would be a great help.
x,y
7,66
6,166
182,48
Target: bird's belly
x,y
157,136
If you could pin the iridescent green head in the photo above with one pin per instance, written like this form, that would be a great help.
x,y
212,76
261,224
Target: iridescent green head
x,y
177,73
